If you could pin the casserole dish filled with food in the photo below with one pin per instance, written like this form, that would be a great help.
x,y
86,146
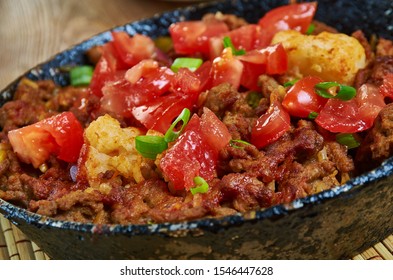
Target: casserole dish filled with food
x,y
216,131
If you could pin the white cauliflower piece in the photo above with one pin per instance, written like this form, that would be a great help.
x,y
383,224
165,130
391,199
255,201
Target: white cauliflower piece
x,y
332,57
111,148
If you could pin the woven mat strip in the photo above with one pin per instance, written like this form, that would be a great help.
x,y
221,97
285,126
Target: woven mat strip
x,y
38,253
15,246
388,242
3,245
9,239
23,244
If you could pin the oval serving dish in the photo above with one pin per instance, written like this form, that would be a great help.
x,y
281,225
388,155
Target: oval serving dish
x,y
334,224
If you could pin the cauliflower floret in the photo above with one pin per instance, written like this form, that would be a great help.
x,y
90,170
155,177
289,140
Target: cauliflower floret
x,y
332,57
111,148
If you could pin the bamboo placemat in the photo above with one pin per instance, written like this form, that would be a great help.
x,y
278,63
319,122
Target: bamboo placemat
x,y
15,246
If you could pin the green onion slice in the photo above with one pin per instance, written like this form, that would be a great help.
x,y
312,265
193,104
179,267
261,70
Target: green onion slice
x,y
186,62
344,93
234,143
201,186
348,139
172,135
290,83
310,29
81,75
312,115
150,146
228,44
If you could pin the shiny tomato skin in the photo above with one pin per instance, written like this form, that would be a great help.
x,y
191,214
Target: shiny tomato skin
x,y
32,145
386,89
301,98
159,113
117,98
227,69
118,56
121,96
105,70
192,37
154,84
183,161
271,60
246,38
68,134
277,60
293,16
355,115
250,75
204,75
132,50
370,102
60,135
214,130
195,152
140,70
270,126
187,82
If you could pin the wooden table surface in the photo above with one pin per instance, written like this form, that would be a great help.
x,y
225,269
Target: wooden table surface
x,y
31,31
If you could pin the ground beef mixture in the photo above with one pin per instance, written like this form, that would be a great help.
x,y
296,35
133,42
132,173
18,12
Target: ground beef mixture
x,y
304,161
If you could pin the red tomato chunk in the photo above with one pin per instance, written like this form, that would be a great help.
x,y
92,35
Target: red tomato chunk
x,y
61,135
196,151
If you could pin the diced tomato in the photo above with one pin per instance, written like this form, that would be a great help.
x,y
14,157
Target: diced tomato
x,y
293,16
105,70
159,113
132,50
140,70
226,68
192,37
214,130
121,96
270,126
270,60
247,37
195,152
60,135
186,82
154,84
301,99
352,116
117,98
118,56
386,89
204,75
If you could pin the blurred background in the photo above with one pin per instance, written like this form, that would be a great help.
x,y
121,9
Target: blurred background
x,y
31,31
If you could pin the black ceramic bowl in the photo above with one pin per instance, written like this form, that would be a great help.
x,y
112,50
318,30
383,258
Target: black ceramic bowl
x,y
334,224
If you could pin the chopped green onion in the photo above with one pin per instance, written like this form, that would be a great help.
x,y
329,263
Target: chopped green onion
x,y
344,93
310,29
150,146
172,135
253,99
234,142
228,44
312,115
290,83
348,139
81,75
186,62
201,186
